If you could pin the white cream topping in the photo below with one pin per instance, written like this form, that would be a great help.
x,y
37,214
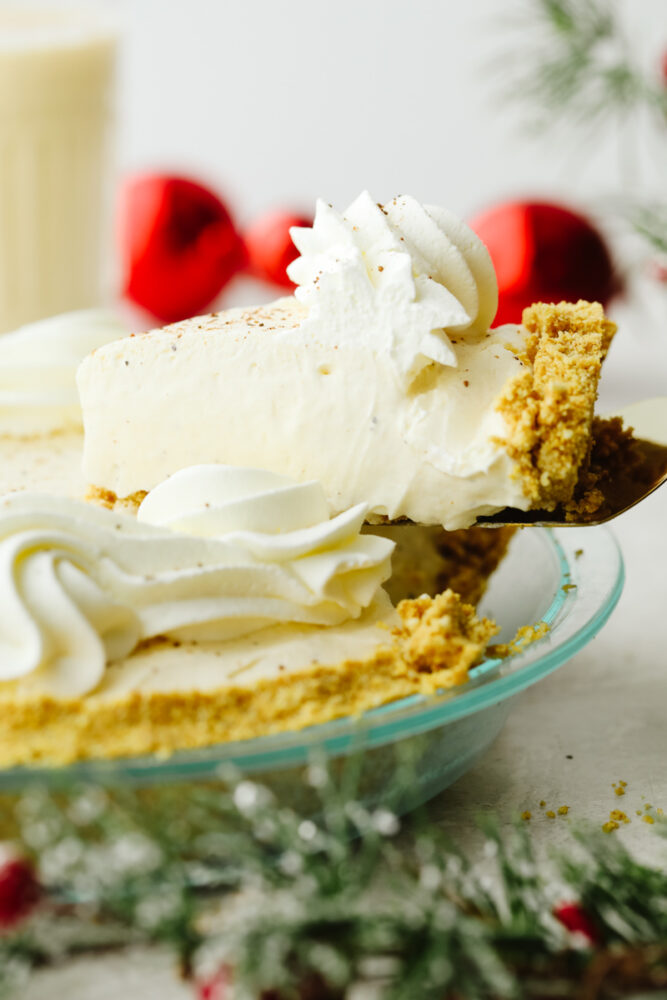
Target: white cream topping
x,y
38,364
399,277
82,586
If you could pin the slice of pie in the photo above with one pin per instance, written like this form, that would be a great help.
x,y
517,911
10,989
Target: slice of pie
x,y
379,378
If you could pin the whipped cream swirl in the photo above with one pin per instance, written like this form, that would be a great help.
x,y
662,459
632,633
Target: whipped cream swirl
x,y
38,364
400,276
216,552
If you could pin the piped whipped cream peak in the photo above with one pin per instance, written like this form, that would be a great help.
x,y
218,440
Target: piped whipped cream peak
x,y
38,363
402,276
215,553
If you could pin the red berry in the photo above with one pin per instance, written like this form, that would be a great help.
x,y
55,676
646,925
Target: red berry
x,y
179,244
544,253
657,270
216,987
575,919
19,889
269,246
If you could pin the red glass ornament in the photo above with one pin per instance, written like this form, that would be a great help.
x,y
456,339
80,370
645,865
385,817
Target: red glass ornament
x,y
575,919
544,253
179,245
19,889
269,246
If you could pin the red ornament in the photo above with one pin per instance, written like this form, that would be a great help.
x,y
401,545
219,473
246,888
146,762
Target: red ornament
x,y
269,246
544,253
575,919
19,888
179,245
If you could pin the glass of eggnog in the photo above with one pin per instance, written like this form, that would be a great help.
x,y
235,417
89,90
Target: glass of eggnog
x,y
57,68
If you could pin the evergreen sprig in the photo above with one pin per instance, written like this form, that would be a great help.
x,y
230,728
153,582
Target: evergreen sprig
x,y
302,904
577,62
576,66
650,222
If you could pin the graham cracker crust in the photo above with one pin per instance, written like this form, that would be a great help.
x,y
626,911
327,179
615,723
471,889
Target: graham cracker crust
x,y
548,409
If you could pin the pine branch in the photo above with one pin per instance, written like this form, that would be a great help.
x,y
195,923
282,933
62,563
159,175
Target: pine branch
x,y
325,900
580,65
650,221
572,64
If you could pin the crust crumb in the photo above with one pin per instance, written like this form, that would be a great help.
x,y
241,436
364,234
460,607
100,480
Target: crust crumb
x,y
442,633
107,498
102,497
525,635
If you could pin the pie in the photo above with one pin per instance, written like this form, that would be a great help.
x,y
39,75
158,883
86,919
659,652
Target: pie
x,y
248,474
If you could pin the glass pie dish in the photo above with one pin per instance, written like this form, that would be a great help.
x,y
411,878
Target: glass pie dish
x,y
570,578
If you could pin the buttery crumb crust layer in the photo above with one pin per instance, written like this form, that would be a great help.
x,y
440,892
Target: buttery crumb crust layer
x,y
549,407
437,642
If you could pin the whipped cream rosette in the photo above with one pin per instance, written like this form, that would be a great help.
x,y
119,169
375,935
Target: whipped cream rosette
x,y
215,553
38,363
400,276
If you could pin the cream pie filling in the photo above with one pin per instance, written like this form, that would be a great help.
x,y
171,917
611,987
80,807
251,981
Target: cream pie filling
x,y
245,388
270,654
